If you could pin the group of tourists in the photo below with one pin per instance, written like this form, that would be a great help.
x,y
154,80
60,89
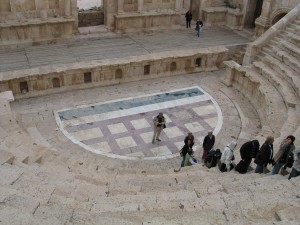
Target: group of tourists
x,y
286,157
199,23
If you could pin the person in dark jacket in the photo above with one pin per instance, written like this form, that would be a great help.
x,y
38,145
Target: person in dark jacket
x,y
184,150
265,155
188,18
211,160
198,28
286,148
208,144
248,151
190,137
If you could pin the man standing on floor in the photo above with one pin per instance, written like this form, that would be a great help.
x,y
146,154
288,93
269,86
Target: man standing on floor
x,y
208,143
188,18
159,124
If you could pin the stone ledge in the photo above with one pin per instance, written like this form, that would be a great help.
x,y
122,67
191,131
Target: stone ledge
x,y
30,22
46,70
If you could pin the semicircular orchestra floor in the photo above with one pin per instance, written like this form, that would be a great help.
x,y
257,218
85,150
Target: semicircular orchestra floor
x,y
124,129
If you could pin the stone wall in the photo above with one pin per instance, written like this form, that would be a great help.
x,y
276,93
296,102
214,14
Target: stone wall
x,y
90,18
45,80
36,20
142,15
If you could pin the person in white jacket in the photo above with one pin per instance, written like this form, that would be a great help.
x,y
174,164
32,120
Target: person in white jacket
x,y
227,157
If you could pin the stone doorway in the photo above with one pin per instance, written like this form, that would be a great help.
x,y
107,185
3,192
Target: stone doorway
x,y
90,13
257,11
253,11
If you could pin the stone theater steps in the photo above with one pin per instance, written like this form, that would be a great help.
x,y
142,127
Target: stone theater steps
x,y
274,73
290,97
168,198
285,71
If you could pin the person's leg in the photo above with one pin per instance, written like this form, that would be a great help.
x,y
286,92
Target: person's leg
x,y
276,168
159,129
154,134
198,33
259,169
182,162
205,151
294,173
187,23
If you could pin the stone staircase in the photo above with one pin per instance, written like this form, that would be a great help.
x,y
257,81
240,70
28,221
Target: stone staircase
x,y
40,194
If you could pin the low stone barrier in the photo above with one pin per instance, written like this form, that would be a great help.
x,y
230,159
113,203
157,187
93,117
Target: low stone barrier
x,y
59,78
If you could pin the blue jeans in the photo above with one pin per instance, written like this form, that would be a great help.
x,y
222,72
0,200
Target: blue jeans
x,y
182,162
259,169
277,167
294,173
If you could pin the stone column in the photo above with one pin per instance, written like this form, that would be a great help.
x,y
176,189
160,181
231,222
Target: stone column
x,y
263,23
120,6
140,6
68,11
42,6
178,5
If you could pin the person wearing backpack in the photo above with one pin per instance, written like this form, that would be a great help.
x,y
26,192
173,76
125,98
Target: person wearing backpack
x,y
286,148
248,151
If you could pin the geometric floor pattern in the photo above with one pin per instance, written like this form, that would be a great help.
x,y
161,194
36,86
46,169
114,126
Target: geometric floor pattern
x,y
124,128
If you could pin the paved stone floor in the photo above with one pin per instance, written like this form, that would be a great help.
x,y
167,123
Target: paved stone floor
x,y
124,128
109,45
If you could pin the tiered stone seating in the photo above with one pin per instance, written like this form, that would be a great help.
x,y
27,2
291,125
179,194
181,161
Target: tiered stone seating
x,y
16,144
272,70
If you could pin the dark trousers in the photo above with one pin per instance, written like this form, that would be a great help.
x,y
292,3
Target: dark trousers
x,y
205,152
188,23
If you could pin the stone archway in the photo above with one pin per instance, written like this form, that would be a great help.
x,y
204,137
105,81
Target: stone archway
x,y
257,12
278,14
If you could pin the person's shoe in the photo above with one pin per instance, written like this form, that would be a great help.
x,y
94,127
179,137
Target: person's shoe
x,y
177,170
158,139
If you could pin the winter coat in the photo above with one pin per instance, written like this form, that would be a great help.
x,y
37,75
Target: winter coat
x,y
284,150
188,16
265,155
208,142
227,154
249,151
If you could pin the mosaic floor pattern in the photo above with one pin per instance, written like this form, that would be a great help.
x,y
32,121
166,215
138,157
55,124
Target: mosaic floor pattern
x,y
124,128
